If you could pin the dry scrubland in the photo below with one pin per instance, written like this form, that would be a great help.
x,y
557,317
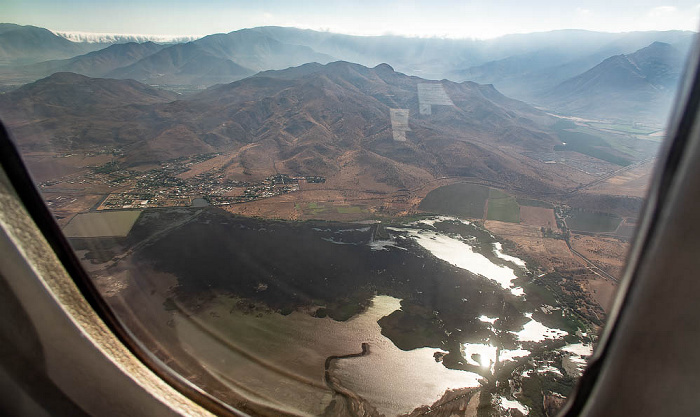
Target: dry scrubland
x,y
538,216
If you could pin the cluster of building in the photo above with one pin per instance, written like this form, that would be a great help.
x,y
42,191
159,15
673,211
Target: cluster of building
x,y
161,187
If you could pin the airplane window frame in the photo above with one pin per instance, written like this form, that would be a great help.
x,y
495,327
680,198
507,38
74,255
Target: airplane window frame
x,y
680,136
682,121
21,181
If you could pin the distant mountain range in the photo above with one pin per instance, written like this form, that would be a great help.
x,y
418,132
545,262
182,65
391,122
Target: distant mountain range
x,y
218,59
29,44
94,64
640,85
528,67
559,56
332,120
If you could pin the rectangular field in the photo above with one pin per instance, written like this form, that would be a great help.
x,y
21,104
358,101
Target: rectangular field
x,y
349,209
592,221
102,224
462,200
538,216
533,203
591,145
502,207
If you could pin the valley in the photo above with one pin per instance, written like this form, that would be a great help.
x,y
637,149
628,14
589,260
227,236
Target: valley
x,y
301,228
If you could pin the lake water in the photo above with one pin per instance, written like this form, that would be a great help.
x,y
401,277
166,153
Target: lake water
x,y
460,254
279,360
392,380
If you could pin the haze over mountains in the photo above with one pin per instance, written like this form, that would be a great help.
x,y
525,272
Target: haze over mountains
x,y
639,84
528,67
96,63
561,55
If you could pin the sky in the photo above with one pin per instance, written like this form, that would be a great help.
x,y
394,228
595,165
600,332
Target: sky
x,y
481,19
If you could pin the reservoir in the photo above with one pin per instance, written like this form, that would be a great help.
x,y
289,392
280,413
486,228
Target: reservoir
x,y
310,318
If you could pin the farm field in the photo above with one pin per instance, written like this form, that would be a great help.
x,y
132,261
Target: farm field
x,y
533,203
350,209
633,182
102,224
615,143
591,221
538,216
462,200
502,207
627,228
592,146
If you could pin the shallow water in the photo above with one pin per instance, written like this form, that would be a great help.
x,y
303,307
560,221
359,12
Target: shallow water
x,y
498,250
481,355
397,381
534,331
487,319
437,219
461,255
384,245
510,355
507,404
290,353
576,358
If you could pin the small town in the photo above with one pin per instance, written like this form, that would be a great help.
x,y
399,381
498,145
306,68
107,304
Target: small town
x,y
164,187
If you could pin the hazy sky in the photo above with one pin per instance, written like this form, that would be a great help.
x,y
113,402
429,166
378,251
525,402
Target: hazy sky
x,y
451,18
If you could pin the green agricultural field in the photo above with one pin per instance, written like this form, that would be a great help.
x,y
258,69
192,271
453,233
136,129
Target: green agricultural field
x,y
502,207
591,145
497,194
311,208
592,221
533,203
462,200
626,142
113,223
349,209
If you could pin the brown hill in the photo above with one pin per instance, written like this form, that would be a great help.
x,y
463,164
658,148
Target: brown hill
x,y
638,86
71,112
93,64
329,120
311,115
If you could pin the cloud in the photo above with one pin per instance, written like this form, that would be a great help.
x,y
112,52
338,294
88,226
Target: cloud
x,y
92,37
583,12
662,11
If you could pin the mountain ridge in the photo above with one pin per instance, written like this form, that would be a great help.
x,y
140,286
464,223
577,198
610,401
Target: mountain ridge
x,y
30,44
637,85
324,122
520,65
93,64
